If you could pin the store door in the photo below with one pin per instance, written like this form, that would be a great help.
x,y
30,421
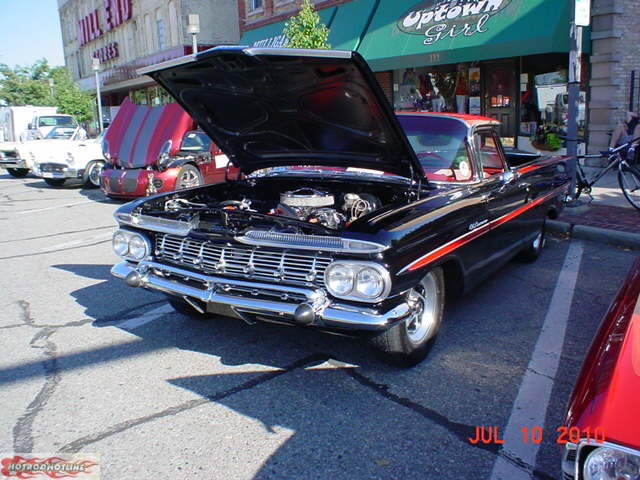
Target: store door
x,y
499,97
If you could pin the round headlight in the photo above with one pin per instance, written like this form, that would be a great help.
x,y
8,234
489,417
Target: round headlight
x,y
610,464
340,279
120,244
369,282
137,247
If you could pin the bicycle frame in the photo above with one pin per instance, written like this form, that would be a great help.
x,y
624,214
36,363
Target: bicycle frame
x,y
619,162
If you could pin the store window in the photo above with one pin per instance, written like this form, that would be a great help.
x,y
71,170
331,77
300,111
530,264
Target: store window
x,y
544,102
160,30
443,88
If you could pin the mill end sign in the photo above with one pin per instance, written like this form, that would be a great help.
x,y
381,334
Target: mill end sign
x,y
440,19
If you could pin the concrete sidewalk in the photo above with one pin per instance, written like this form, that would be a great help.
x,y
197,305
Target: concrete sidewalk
x,y
609,218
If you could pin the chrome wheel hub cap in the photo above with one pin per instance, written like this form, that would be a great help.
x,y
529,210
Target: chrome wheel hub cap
x,y
538,242
94,174
188,179
423,301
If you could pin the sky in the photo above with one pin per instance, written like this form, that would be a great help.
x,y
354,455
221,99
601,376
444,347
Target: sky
x,y
29,31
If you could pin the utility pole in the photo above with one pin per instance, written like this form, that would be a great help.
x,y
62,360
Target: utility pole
x,y
580,16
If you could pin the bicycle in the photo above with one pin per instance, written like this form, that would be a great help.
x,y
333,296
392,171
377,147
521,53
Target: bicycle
x,y
628,173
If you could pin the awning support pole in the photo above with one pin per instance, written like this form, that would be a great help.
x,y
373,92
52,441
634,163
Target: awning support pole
x,y
574,96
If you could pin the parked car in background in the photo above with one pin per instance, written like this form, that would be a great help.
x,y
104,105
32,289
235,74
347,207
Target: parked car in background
x,y
71,161
602,423
158,149
18,158
333,224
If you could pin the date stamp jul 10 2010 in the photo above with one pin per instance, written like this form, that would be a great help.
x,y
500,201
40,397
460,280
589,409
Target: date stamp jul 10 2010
x,y
491,434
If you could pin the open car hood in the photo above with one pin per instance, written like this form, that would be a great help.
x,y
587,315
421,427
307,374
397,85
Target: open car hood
x,y
279,107
138,132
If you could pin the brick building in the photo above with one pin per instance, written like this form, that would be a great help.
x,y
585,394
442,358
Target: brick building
x,y
615,37
128,34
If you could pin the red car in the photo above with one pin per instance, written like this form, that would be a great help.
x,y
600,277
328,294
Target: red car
x,y
602,421
158,149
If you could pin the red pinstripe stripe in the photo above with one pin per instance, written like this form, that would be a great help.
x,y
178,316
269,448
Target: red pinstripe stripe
x,y
467,237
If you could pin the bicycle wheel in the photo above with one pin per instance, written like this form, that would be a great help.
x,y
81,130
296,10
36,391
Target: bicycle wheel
x,y
629,180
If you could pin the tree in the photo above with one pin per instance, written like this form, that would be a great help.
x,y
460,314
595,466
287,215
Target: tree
x,y
40,84
306,30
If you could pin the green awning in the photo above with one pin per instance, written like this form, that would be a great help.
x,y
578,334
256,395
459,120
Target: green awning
x,y
436,33
350,24
271,35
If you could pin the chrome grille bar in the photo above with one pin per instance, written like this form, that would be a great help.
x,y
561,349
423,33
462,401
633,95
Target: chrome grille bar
x,y
267,264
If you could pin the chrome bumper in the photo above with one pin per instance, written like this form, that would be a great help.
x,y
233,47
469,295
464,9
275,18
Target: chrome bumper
x,y
154,276
13,163
66,173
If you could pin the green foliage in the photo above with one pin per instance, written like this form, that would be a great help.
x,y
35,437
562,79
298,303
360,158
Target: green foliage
x,y
546,137
305,30
31,86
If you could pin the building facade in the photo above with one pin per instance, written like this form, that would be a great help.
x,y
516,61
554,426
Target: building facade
x,y
615,61
129,34
503,58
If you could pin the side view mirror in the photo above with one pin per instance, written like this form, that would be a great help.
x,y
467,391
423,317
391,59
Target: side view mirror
x,y
30,126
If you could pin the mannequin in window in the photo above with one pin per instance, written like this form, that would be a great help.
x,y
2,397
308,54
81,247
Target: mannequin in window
x,y
462,93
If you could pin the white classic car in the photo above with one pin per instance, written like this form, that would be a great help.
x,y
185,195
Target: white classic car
x,y
57,161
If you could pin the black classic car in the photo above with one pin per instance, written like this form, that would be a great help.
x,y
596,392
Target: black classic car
x,y
343,216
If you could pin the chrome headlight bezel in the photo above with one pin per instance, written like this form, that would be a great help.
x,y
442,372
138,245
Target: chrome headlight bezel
x,y
602,448
355,268
105,149
129,235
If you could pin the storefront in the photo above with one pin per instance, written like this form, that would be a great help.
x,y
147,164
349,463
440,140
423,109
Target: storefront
x,y
506,59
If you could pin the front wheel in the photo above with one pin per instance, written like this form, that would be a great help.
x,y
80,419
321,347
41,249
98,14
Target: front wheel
x,y
188,177
54,182
91,176
410,341
18,172
629,180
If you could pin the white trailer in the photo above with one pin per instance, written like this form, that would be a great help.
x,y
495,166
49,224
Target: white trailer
x,y
15,121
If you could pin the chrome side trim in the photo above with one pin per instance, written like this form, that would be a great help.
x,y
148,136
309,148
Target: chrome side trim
x,y
174,62
330,315
299,52
309,242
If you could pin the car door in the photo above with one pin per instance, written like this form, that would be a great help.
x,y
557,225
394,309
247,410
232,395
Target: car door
x,y
506,193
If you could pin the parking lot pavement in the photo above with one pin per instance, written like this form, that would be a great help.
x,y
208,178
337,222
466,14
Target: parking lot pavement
x,y
91,365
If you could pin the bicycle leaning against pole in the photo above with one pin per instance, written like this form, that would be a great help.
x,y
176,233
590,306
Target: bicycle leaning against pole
x,y
628,173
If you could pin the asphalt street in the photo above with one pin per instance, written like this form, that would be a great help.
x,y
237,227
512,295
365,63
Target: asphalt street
x,y
90,365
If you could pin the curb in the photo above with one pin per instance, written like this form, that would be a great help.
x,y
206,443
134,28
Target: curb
x,y
595,234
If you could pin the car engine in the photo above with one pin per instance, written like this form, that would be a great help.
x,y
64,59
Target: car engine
x,y
316,206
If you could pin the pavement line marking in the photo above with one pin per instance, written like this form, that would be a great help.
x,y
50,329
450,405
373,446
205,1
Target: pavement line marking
x,y
530,407
68,205
149,316
82,241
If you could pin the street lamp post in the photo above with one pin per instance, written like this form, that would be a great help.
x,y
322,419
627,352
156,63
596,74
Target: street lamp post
x,y
193,27
95,66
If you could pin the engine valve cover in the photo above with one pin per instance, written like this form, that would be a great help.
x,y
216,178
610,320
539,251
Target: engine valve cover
x,y
307,197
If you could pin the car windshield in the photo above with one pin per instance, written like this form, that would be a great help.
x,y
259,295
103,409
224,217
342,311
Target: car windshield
x,y
439,144
60,133
57,121
195,142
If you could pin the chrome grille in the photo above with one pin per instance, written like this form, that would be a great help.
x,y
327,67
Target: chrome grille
x,y
266,264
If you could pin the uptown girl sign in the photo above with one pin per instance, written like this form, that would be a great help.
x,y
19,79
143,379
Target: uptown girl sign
x,y
440,19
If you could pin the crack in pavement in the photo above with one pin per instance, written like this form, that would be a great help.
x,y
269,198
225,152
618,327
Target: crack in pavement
x,y
57,234
80,443
53,251
461,430
23,429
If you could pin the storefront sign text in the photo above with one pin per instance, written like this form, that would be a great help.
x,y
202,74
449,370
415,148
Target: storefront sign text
x,y
279,41
108,52
116,12
439,19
